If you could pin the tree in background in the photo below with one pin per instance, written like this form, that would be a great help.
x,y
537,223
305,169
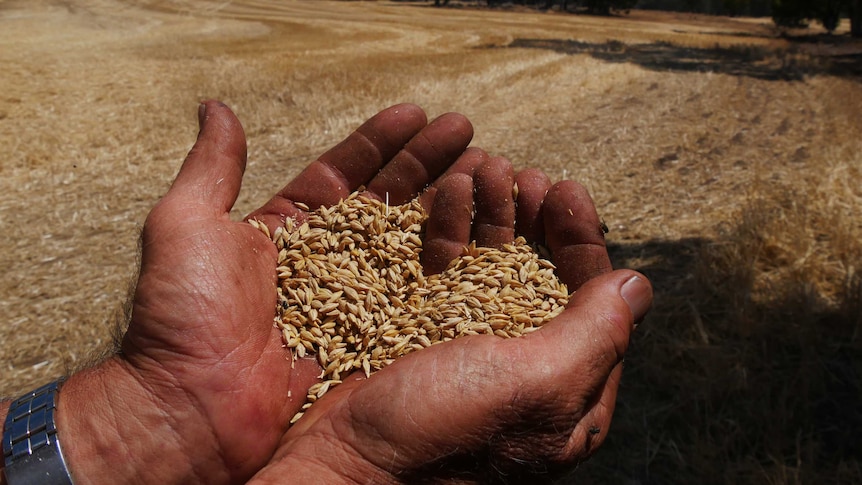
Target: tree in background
x,y
785,13
792,13
734,7
604,7
596,7
797,13
855,11
829,13
749,8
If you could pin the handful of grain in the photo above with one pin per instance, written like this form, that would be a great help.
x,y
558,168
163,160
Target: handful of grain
x,y
352,292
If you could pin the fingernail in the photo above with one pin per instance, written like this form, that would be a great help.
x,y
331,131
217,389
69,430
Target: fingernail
x,y
202,115
637,293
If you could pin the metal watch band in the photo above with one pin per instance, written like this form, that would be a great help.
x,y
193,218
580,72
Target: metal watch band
x,y
30,446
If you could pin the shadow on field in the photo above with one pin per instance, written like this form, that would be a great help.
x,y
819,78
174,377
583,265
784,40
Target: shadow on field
x,y
721,387
757,62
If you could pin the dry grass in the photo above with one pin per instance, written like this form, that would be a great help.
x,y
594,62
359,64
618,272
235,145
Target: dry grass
x,y
734,188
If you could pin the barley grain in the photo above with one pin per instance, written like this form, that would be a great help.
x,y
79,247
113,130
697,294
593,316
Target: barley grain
x,y
352,294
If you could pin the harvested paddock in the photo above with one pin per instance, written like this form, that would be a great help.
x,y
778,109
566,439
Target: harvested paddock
x,y
733,185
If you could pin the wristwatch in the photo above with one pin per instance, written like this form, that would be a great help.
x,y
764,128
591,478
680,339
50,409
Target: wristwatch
x,y
30,446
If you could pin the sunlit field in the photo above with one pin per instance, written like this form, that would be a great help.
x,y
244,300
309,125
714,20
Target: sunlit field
x,y
725,161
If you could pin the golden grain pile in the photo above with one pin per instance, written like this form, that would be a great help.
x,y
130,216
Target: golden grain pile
x,y
352,291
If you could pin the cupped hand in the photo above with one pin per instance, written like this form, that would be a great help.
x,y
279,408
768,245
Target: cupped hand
x,y
482,408
201,361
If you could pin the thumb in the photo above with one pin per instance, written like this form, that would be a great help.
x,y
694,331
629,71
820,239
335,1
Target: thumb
x,y
212,173
594,329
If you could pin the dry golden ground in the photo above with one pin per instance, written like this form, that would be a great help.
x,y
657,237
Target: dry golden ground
x,y
724,160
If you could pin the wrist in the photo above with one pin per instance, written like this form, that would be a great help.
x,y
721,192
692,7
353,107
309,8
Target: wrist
x,y
31,450
114,430
4,410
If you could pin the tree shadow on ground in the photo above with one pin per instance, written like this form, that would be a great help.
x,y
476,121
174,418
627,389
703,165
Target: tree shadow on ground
x,y
771,64
724,388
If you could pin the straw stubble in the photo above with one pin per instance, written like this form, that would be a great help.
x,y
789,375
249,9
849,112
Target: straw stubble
x,y
352,292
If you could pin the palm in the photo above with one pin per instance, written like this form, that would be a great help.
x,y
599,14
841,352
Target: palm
x,y
203,320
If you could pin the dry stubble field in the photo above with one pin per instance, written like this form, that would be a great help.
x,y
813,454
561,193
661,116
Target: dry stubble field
x,y
724,160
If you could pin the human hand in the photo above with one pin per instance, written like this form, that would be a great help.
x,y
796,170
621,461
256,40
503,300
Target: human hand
x,y
482,408
200,390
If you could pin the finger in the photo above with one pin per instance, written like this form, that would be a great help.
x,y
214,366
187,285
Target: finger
x,y
423,159
532,185
574,234
465,164
447,230
351,163
494,223
211,174
592,429
606,309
